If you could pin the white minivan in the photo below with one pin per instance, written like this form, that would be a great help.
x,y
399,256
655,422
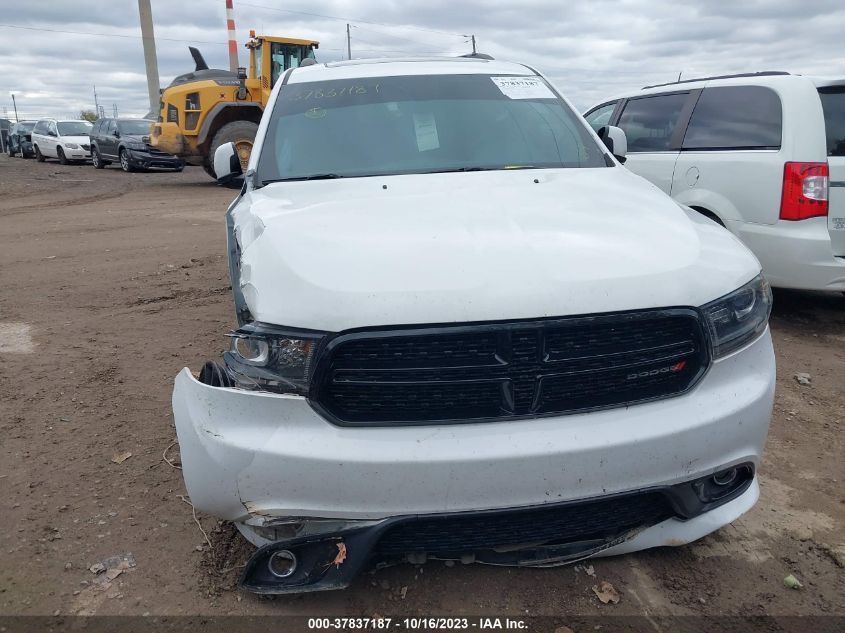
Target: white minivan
x,y
465,332
763,154
68,141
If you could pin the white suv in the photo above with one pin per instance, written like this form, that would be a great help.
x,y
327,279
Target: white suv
x,y
68,141
465,332
763,154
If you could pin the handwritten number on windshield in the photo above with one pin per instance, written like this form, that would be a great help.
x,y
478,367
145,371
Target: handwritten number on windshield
x,y
331,93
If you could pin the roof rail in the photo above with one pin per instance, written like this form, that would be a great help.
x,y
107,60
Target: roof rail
x,y
765,73
478,56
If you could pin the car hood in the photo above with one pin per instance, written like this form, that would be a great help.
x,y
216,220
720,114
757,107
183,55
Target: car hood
x,y
461,247
75,139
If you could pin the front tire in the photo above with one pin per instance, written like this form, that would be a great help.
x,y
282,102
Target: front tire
x,y
96,159
38,155
60,153
124,161
242,134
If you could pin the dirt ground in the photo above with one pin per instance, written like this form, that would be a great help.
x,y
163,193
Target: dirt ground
x,y
110,283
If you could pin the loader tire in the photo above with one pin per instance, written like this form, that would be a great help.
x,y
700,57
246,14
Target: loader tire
x,y
242,134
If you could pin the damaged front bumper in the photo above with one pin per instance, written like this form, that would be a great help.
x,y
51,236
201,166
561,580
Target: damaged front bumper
x,y
292,481
544,536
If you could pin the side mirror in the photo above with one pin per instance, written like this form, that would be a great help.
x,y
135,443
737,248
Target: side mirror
x,y
615,140
227,164
117,133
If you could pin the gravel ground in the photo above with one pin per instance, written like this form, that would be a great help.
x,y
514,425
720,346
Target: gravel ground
x,y
112,282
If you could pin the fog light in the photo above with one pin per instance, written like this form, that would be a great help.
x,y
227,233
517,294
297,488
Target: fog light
x,y
282,564
725,477
723,484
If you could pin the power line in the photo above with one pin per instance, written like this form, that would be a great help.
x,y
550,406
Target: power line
x,y
337,17
134,37
396,37
385,50
167,39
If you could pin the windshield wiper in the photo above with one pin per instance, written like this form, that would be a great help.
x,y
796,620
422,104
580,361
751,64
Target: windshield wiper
x,y
311,177
461,169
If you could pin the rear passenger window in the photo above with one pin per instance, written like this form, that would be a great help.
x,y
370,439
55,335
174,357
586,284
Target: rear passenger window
x,y
735,117
649,122
833,104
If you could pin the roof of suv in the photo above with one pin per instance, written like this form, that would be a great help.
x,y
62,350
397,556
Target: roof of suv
x,y
392,67
63,120
766,78
123,119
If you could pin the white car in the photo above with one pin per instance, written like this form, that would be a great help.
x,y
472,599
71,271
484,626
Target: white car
x,y
68,141
763,154
466,332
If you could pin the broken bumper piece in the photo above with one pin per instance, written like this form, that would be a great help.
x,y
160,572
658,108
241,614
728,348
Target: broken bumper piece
x,y
544,536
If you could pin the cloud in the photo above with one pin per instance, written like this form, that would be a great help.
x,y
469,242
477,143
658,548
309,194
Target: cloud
x,y
592,50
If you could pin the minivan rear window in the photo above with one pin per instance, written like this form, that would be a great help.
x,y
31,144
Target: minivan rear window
x,y
735,117
833,104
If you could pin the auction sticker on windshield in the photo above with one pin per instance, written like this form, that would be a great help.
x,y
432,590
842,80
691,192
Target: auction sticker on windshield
x,y
523,87
426,130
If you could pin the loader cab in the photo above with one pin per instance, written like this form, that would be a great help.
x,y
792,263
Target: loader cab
x,y
270,57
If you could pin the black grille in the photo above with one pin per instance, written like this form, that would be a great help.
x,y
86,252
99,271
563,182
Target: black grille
x,y
156,152
602,519
86,146
509,370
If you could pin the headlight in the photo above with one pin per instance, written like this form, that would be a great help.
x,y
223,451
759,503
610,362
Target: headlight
x,y
136,146
278,528
740,317
71,145
270,358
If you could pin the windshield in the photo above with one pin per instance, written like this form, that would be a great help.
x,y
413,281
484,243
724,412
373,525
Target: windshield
x,y
833,104
137,127
285,56
74,128
419,124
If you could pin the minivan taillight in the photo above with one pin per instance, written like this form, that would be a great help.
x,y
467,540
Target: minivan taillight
x,y
804,191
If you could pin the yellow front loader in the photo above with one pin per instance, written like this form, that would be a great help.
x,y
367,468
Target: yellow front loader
x,y
201,110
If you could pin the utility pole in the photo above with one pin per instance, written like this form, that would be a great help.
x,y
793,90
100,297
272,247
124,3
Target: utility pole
x,y
15,106
473,44
233,40
150,60
114,109
348,43
96,103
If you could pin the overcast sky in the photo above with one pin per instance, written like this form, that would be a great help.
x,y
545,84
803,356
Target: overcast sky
x,y
592,49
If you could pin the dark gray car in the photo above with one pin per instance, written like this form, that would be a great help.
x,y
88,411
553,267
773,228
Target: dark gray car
x,y
126,142
20,139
